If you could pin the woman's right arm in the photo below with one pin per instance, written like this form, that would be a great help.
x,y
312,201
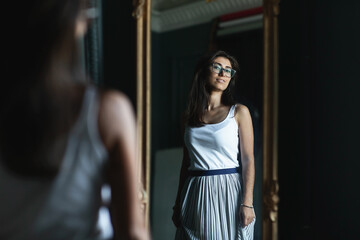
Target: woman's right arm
x,y
118,131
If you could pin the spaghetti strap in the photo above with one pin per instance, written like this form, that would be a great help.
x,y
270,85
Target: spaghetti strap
x,y
232,110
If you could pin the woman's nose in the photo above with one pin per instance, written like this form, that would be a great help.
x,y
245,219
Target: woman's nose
x,y
221,73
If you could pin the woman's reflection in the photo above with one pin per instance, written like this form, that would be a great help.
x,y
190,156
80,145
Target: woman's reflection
x,y
215,193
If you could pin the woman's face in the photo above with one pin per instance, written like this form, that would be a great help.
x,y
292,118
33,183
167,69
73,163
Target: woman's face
x,y
220,74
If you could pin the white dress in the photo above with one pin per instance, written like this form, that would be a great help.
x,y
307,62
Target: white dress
x,y
210,205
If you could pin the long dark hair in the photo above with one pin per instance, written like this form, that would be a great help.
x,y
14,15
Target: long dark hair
x,y
34,111
199,92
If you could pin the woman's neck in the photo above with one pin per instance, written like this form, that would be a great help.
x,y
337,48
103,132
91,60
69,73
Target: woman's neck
x,y
214,100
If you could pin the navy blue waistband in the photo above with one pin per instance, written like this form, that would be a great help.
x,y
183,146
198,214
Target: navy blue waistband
x,y
213,172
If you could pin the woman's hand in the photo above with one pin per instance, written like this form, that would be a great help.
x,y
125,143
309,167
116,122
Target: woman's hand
x,y
247,215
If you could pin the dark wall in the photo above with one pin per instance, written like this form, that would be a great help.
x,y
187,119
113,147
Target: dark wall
x,y
119,47
318,119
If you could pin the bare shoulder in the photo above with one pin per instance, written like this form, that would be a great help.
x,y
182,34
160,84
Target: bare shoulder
x,y
116,116
115,108
113,98
242,113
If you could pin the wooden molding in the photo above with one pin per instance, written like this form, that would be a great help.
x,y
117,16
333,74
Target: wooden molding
x,y
143,104
270,122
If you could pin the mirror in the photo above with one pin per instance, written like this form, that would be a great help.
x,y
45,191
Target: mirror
x,y
181,31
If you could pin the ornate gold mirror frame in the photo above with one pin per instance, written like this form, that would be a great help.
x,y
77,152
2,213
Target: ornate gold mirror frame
x,y
143,102
142,13
270,122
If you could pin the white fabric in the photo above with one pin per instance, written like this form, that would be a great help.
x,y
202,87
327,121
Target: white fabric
x,y
66,207
214,146
210,209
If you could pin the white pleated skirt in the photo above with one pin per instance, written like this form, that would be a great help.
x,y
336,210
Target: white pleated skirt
x,y
210,209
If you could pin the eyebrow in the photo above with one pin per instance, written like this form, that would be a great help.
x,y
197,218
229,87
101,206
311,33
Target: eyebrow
x,y
222,65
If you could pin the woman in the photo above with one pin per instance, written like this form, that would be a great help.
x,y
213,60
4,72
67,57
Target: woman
x,y
215,194
62,140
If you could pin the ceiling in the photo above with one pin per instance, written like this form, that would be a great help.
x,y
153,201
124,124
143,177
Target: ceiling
x,y
169,15
162,5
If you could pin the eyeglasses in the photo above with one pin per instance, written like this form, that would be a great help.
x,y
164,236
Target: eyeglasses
x,y
217,68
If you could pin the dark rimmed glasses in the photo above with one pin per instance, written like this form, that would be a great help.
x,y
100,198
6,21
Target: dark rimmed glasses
x,y
217,68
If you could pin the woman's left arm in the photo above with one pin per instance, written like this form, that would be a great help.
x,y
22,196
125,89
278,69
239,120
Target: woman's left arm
x,y
246,137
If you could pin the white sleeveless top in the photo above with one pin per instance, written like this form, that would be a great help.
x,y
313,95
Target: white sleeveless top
x,y
66,207
214,146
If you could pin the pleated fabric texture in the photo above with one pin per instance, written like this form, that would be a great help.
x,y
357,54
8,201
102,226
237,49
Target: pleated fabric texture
x,y
210,209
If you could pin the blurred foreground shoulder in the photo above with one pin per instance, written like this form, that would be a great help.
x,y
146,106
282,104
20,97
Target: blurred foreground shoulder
x,y
116,117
